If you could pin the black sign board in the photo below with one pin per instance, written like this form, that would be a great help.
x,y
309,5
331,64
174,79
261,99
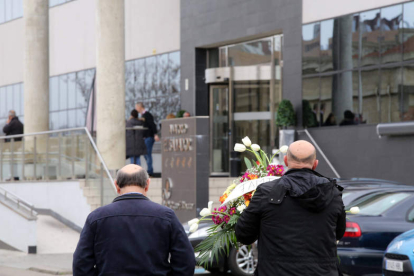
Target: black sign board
x,y
185,165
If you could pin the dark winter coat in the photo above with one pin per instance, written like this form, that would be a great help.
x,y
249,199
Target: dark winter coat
x,y
149,123
133,236
15,127
135,144
297,220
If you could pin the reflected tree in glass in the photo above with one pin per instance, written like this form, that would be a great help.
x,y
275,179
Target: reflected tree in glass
x,y
408,31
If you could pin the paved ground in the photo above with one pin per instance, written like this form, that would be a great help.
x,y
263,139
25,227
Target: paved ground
x,y
14,263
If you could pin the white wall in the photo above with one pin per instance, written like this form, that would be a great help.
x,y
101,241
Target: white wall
x,y
72,37
314,10
65,198
16,230
11,52
151,25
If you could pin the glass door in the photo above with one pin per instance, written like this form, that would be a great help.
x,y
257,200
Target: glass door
x,y
219,129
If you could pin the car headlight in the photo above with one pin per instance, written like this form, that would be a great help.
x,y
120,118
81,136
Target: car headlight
x,y
200,233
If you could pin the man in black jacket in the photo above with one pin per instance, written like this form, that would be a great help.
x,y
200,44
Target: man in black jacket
x,y
296,219
150,134
133,235
13,126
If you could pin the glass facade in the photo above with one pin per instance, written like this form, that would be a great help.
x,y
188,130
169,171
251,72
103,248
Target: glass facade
x,y
359,64
10,10
11,98
53,3
155,81
68,99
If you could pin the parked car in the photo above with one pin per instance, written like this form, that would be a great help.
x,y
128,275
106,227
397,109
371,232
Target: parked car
x,y
399,257
384,214
243,262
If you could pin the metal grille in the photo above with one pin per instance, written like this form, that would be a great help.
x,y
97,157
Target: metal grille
x,y
396,256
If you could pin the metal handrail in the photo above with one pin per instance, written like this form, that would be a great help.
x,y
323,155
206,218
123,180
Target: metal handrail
x,y
69,130
320,150
19,201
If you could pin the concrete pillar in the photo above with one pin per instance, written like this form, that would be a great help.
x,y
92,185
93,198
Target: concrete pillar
x,y
36,65
110,80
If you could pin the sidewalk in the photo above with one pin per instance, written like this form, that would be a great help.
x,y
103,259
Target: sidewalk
x,y
9,271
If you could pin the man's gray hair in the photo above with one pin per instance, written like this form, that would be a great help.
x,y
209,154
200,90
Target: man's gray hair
x,y
12,113
141,104
138,178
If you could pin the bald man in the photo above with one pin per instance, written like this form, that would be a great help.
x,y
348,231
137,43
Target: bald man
x,y
296,219
133,235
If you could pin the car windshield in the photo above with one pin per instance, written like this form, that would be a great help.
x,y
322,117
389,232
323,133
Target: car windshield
x,y
377,203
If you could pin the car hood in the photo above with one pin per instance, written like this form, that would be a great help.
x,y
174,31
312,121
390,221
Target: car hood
x,y
402,244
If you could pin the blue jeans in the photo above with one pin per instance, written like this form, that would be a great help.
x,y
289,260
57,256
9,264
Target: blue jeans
x,y
135,160
149,143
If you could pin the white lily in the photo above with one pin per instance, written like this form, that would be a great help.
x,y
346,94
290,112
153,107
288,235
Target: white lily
x,y
210,206
255,147
284,149
193,228
239,147
205,212
354,210
193,221
246,141
241,208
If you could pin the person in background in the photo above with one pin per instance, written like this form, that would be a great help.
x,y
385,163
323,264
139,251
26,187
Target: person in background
x,y
186,114
330,121
349,119
133,235
150,134
170,116
135,144
13,126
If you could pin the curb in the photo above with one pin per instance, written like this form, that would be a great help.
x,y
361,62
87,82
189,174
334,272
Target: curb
x,y
52,271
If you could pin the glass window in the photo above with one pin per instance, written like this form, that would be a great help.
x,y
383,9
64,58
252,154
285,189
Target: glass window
x,y
17,8
370,33
329,90
8,10
151,77
3,102
72,90
9,90
63,119
80,89
162,75
140,80
310,48
72,118
390,94
81,117
310,103
370,98
408,31
408,94
391,19
63,92
223,56
213,58
328,41
377,204
2,11
251,96
16,99
54,94
129,80
53,121
22,98
257,52
174,67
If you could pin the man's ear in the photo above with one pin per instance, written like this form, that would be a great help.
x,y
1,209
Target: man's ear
x,y
147,186
286,160
118,190
315,164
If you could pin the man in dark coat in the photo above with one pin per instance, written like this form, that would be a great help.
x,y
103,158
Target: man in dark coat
x,y
150,134
133,235
296,219
135,144
13,126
